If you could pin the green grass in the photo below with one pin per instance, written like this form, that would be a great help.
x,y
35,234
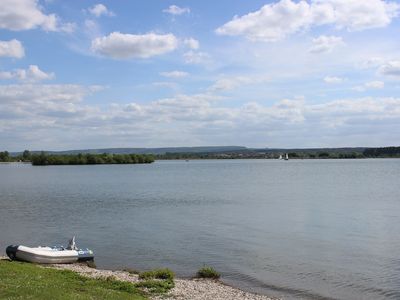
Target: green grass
x,y
157,274
154,286
208,272
28,281
157,281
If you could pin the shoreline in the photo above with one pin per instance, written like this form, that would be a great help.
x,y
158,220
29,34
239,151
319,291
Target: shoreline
x,y
185,289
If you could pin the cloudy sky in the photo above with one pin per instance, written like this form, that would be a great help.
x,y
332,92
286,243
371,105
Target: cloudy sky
x,y
288,73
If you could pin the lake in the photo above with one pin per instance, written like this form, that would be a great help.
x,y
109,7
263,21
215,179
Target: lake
x,y
313,229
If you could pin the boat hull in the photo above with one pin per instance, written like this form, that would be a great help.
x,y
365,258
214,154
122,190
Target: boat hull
x,y
47,255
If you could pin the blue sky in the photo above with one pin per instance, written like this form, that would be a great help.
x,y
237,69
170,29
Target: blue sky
x,y
89,74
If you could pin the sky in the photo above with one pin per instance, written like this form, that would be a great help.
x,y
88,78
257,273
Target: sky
x,y
160,73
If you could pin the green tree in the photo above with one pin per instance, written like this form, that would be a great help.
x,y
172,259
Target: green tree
x,y
323,155
40,159
91,159
4,156
26,155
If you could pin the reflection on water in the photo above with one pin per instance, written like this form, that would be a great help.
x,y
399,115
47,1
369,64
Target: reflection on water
x,y
313,229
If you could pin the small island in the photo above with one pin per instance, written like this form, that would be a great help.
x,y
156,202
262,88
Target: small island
x,y
44,159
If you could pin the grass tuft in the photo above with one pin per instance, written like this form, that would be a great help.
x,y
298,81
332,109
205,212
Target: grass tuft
x,y
156,286
165,274
158,281
208,272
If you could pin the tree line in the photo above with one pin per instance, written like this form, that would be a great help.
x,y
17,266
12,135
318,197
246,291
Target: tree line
x,y
273,154
260,155
43,159
84,159
6,157
382,152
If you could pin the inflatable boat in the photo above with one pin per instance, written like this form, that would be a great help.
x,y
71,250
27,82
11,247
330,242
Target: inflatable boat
x,y
50,255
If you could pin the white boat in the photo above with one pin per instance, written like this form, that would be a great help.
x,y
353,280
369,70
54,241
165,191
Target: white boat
x,y
280,157
50,255
286,156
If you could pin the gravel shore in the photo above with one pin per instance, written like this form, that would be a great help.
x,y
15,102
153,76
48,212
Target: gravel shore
x,y
185,289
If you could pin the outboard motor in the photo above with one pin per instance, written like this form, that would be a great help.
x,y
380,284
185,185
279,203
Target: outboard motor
x,y
12,251
72,244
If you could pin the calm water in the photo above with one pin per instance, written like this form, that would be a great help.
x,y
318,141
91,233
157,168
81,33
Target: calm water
x,y
309,229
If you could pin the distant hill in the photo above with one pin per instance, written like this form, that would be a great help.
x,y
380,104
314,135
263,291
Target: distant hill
x,y
223,152
156,151
204,149
311,150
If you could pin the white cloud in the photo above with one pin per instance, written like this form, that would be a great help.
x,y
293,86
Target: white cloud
x,y
12,48
124,46
325,43
174,74
226,84
271,23
333,79
375,85
361,14
27,14
195,57
32,110
44,93
91,28
192,43
99,10
32,74
59,114
233,82
176,10
372,62
369,85
67,27
391,68
165,84
275,21
359,88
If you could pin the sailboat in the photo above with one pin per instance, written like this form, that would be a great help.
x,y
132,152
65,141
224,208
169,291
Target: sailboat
x,y
286,156
280,156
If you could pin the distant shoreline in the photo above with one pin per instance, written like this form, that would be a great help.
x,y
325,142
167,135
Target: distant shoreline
x,y
266,158
199,159
143,155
